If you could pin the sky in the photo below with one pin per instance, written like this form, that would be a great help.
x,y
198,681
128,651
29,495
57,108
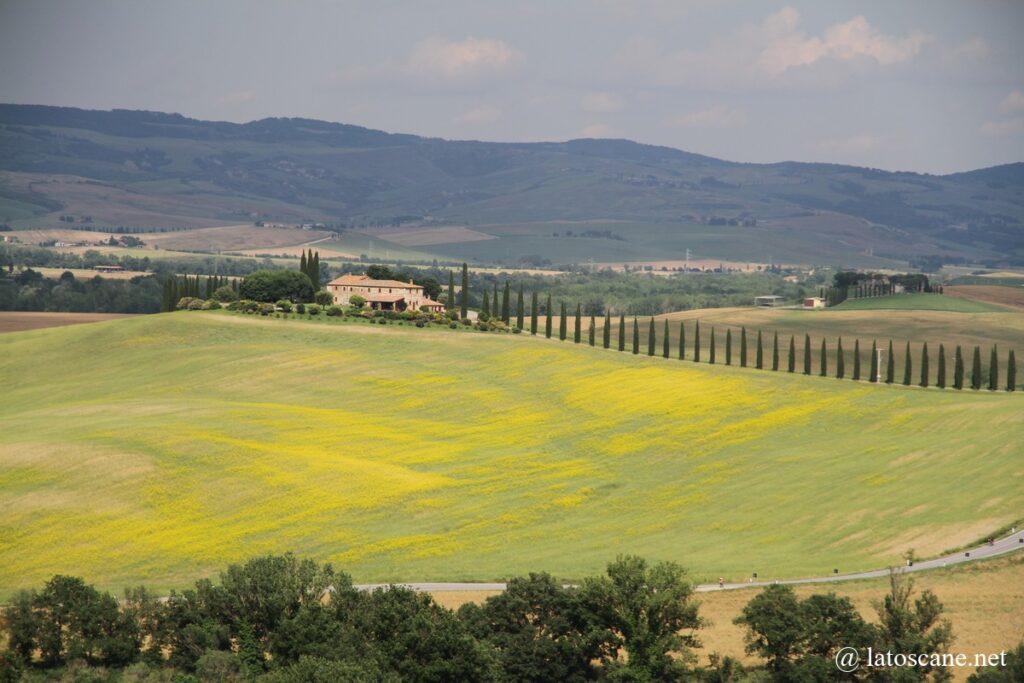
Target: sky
x,y
930,86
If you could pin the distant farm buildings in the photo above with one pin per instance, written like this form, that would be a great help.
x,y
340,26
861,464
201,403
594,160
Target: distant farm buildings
x,y
769,301
386,295
814,302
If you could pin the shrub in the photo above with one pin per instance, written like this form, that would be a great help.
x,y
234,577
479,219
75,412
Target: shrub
x,y
284,305
333,311
516,330
274,285
420,323
466,321
357,301
323,297
196,305
211,305
313,309
266,309
453,325
185,301
483,317
225,294
300,308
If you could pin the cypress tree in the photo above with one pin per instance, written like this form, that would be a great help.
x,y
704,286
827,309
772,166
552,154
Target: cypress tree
x,y
622,332
316,271
924,366
1011,372
636,336
533,313
696,343
907,369
505,311
651,341
840,360
682,340
791,366
940,379
606,333
485,307
711,347
562,331
666,343
807,354
577,336
547,318
856,360
464,303
495,310
592,332
728,346
775,351
759,353
303,268
451,291
890,366
874,362
958,369
993,370
976,369
823,370
519,309
743,347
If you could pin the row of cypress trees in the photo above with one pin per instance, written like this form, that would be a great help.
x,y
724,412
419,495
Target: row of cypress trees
x,y
310,265
177,287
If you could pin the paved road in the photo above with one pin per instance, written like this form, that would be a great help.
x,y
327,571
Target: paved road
x,y
1008,544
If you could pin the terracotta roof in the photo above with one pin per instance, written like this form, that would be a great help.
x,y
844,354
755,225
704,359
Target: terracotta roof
x,y
384,298
430,302
347,279
364,281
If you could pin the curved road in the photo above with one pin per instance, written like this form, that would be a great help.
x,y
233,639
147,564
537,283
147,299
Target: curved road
x,y
1007,544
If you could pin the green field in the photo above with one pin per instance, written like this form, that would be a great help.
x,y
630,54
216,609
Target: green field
x,y
156,449
918,302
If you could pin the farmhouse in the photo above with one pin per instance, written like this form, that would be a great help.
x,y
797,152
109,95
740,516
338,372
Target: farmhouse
x,y
388,295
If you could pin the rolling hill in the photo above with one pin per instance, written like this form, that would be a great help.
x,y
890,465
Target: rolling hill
x,y
574,201
156,449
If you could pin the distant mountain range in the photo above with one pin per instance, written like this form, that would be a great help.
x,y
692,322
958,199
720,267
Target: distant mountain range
x,y
151,169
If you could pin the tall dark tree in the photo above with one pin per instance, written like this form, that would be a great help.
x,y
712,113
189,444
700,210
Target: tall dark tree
x,y
485,307
696,343
464,293
606,333
577,332
924,366
450,303
993,370
840,360
622,332
976,369
940,378
314,274
506,315
711,347
856,360
890,365
636,336
823,370
495,306
908,369
743,347
547,318
303,268
682,340
728,346
807,354
533,313
562,323
592,332
958,369
759,353
775,351
1011,372
791,364
519,309
651,341
666,343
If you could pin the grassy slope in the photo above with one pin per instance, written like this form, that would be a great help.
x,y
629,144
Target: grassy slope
x,y
158,448
919,302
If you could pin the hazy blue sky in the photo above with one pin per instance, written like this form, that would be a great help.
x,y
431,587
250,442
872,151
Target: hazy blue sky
x,y
929,86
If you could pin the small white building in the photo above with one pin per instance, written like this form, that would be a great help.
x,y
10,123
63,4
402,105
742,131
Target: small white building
x,y
814,302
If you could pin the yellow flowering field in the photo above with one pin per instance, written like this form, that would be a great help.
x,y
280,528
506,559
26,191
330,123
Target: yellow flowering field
x,y
157,449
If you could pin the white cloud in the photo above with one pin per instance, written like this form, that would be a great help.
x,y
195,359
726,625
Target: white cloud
x,y
715,117
1001,128
973,50
602,102
855,144
485,113
597,130
461,60
1012,102
847,41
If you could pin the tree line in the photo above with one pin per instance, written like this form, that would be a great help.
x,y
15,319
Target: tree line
x,y
280,619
